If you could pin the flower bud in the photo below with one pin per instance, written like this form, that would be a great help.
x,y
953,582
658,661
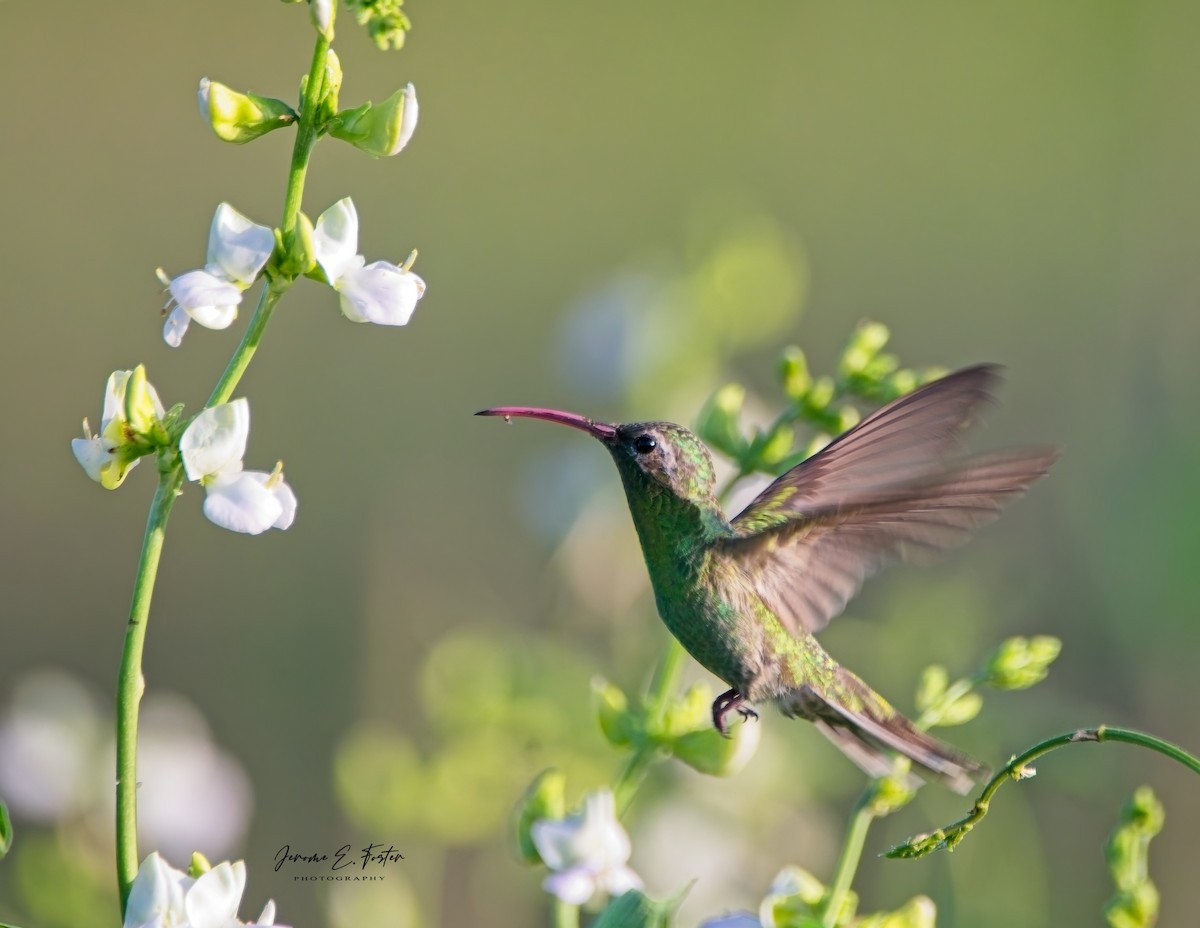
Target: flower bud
x,y
199,865
796,897
793,373
143,411
708,751
298,249
718,425
543,799
918,912
1020,662
893,792
612,710
776,446
959,712
381,130
690,712
932,686
866,342
321,12
240,117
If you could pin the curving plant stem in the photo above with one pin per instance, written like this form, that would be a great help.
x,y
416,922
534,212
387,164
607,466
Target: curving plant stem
x,y
1017,769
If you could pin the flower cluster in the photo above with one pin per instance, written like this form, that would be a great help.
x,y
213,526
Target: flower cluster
x,y
249,501
163,897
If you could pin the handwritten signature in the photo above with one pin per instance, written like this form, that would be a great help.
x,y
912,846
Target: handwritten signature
x,y
375,854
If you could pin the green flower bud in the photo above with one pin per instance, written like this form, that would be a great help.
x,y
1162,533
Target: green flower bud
x,y
708,751
142,407
1137,908
959,712
199,865
893,792
543,798
1020,662
820,395
776,447
918,912
864,345
635,909
719,424
793,373
796,898
298,250
381,130
612,709
241,117
932,686
690,712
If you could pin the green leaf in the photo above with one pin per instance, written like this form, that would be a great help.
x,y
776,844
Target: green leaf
x,y
635,909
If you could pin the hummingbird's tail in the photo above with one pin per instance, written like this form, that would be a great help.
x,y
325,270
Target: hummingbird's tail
x,y
868,730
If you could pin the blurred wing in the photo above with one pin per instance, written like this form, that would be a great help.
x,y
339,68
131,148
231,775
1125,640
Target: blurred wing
x,y
882,492
909,438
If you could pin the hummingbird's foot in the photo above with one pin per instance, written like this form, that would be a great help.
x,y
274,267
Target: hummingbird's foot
x,y
730,701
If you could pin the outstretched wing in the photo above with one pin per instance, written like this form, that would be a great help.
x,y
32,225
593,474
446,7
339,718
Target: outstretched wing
x,y
888,489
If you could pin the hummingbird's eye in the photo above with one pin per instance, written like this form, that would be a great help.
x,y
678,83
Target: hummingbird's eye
x,y
644,444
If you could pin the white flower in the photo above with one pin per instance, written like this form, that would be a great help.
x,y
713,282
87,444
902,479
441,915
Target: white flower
x,y
587,852
408,118
163,897
382,293
248,501
108,456
238,250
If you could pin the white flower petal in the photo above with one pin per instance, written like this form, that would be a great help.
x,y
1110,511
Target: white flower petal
x,y
215,442
158,890
238,247
176,326
574,887
268,914
92,454
114,397
214,899
408,120
207,298
619,880
335,239
381,293
242,504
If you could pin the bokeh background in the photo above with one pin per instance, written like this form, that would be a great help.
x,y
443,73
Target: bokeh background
x,y
618,208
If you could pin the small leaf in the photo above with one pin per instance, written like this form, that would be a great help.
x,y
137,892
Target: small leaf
x,y
932,687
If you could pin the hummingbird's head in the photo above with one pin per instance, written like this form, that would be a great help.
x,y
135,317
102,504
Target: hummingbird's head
x,y
651,456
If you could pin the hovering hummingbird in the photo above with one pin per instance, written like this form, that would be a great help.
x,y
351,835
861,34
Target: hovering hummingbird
x,y
746,596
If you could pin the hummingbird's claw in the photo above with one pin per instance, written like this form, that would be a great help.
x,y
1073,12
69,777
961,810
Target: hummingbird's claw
x,y
730,701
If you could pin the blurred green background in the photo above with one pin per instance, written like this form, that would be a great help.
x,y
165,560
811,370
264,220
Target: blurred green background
x,y
1013,182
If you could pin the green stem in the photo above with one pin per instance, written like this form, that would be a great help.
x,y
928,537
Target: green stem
x,y
130,683
1015,769
268,299
565,915
306,136
847,865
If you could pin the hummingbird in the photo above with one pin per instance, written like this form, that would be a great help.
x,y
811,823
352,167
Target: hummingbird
x,y
746,596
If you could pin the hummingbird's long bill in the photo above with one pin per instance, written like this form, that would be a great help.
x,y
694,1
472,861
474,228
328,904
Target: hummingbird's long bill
x,y
601,430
